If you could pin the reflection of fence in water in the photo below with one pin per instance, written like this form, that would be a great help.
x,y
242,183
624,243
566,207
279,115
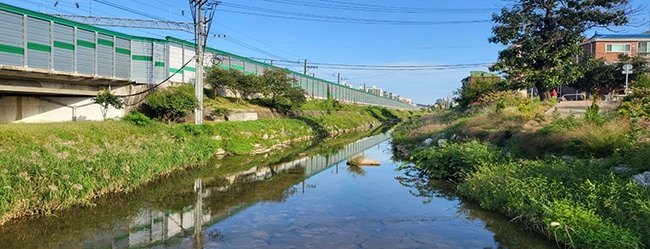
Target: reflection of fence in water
x,y
150,226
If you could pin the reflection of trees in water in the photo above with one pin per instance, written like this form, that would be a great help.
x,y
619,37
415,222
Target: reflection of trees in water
x,y
355,170
507,233
427,188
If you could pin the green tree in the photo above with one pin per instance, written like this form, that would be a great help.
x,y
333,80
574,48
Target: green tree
x,y
607,77
597,76
219,78
249,85
281,90
639,64
172,104
544,37
106,99
472,93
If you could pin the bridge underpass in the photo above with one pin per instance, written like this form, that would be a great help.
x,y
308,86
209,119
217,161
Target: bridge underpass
x,y
37,95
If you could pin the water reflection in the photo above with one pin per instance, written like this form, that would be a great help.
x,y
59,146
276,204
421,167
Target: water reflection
x,y
295,197
507,233
169,210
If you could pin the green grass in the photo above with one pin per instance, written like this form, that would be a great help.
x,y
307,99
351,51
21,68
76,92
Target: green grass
x,y
48,167
579,202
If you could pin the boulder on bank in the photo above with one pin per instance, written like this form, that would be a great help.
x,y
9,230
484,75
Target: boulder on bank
x,y
642,179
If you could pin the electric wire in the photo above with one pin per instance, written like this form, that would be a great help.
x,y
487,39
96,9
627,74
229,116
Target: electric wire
x,y
380,8
334,19
157,85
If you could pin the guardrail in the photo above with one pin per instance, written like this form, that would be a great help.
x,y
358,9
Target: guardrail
x,y
574,96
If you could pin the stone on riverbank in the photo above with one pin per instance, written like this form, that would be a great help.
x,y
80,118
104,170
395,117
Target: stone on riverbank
x,y
642,179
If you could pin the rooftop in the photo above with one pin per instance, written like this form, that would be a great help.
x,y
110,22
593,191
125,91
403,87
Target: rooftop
x,y
620,36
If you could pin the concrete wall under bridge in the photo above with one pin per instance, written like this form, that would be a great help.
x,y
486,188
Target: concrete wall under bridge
x,y
40,108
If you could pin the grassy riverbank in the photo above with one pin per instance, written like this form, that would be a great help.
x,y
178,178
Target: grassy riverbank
x,y
554,174
48,167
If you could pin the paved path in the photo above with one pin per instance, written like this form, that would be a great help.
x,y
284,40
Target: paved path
x,y
578,108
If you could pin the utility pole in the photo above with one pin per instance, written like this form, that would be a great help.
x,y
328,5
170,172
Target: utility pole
x,y
201,32
338,80
305,70
198,83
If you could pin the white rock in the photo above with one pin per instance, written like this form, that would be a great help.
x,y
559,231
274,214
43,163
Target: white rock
x,y
621,168
442,142
428,141
642,179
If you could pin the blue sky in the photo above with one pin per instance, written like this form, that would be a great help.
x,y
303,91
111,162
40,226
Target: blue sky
x,y
449,34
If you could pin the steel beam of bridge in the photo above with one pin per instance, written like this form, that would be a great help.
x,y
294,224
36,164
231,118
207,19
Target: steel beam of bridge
x,y
128,22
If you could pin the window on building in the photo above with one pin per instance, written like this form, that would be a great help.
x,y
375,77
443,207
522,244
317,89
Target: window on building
x,y
618,48
644,49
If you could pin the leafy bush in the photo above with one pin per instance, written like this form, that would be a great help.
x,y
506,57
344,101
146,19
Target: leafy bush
x,y
580,203
137,118
592,115
221,111
171,105
637,104
560,125
454,160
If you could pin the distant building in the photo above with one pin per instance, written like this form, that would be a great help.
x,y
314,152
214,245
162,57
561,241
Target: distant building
x,y
610,46
475,76
375,90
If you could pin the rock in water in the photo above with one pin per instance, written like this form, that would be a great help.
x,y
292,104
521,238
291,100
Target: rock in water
x,y
364,162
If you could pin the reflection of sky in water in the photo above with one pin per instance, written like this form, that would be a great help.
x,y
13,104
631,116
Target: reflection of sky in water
x,y
269,206
346,210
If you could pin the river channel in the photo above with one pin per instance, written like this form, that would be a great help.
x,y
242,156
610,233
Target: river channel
x,y
305,196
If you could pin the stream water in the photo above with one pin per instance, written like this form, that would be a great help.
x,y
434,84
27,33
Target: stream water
x,y
302,197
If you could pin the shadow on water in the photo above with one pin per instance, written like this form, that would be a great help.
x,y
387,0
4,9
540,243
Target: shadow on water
x,y
164,213
507,233
163,210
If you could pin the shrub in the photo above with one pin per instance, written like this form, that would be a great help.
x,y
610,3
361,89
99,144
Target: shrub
x,y
170,106
221,111
454,160
137,118
592,115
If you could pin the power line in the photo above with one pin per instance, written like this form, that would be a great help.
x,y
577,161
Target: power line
x,y
381,8
257,11
114,5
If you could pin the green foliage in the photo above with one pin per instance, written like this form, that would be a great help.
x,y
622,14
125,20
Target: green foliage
x,y
454,160
543,38
219,78
592,115
637,104
502,105
607,77
106,99
576,226
221,111
592,207
284,95
560,125
104,157
473,93
597,75
137,118
171,105
248,85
